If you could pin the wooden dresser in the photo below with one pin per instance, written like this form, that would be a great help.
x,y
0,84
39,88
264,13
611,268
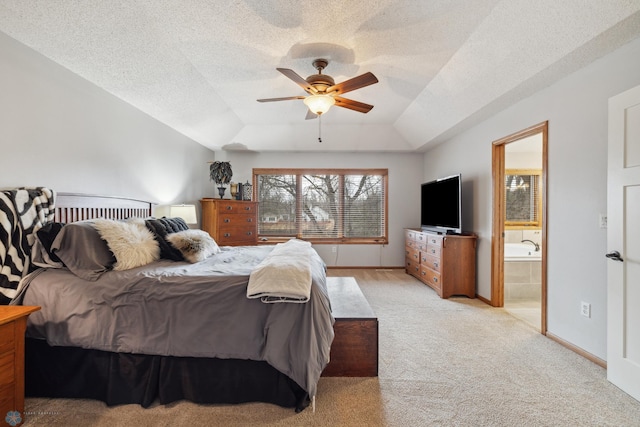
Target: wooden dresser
x,y
230,222
13,322
445,262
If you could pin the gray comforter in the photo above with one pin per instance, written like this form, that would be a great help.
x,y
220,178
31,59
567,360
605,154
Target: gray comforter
x,y
180,309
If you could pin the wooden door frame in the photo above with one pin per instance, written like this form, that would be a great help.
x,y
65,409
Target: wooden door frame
x,y
497,238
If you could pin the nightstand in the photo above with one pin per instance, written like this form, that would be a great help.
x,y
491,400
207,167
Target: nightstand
x,y
13,322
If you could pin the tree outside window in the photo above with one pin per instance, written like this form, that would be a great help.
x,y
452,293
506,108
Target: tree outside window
x,y
322,205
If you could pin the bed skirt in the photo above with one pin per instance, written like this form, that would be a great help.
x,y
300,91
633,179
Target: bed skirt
x,y
121,378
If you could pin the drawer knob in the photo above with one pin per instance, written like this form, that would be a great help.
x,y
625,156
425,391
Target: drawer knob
x,y
249,233
435,280
433,251
435,264
247,208
227,220
229,207
227,234
249,219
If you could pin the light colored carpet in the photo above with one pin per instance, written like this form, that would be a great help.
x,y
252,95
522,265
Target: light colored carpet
x,y
456,362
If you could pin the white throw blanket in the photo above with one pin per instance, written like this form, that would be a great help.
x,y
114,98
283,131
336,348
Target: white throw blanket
x,y
284,275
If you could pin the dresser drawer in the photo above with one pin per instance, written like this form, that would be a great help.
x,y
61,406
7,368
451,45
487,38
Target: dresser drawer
x,y
433,250
432,278
435,240
236,208
430,261
7,337
412,254
228,221
413,267
229,236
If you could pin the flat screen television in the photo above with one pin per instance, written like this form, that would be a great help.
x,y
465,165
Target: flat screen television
x,y
441,205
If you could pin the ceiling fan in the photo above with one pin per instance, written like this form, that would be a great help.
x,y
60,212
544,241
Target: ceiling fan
x,y
324,92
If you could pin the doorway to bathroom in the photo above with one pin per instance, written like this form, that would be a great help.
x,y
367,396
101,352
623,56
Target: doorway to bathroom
x,y
518,251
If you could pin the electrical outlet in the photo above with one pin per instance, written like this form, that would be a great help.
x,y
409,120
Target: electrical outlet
x,y
585,309
603,220
334,249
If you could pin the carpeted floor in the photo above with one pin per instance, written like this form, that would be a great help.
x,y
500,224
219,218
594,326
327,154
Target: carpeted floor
x,y
456,362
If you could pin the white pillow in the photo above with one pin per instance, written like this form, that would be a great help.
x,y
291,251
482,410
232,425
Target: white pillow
x,y
194,245
132,243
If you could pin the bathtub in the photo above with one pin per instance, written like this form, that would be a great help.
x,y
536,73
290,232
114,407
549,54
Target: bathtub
x,y
521,252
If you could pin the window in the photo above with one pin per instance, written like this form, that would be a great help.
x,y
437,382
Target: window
x,y
322,205
522,198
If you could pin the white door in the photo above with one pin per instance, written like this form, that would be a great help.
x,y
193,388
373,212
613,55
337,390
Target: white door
x,y
623,243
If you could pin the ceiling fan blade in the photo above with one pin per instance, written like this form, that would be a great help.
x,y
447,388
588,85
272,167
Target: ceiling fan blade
x,y
310,115
286,98
352,105
363,80
298,80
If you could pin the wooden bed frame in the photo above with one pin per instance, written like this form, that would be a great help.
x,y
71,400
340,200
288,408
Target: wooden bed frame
x,y
122,378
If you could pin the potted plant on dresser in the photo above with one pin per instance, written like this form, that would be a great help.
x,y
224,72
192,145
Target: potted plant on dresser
x,y
220,173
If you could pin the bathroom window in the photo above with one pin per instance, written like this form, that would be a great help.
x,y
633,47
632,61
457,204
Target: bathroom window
x,y
522,198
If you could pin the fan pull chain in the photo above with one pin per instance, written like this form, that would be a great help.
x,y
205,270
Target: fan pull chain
x,y
320,128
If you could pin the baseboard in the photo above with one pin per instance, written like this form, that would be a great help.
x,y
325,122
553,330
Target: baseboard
x,y
580,351
484,300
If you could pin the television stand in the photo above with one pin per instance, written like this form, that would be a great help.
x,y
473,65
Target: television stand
x,y
446,263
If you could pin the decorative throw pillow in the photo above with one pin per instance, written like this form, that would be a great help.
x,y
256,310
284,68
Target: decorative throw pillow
x,y
161,228
195,245
131,242
79,246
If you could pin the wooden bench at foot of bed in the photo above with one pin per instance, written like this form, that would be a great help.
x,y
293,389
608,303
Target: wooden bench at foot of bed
x,y
354,352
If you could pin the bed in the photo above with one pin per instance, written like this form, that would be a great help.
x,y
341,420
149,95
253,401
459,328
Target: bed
x,y
172,330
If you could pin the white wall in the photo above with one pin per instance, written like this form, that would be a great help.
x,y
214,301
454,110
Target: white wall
x,y
576,108
60,131
405,175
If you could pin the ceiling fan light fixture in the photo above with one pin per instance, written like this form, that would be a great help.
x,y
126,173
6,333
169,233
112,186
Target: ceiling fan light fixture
x,y
319,104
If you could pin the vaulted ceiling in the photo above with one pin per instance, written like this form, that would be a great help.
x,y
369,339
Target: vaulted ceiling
x,y
200,65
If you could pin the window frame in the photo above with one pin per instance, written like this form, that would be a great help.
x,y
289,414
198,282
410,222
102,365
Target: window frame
x,y
518,225
271,239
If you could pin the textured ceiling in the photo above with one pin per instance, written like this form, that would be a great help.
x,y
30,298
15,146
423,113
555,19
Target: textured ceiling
x,y
200,65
